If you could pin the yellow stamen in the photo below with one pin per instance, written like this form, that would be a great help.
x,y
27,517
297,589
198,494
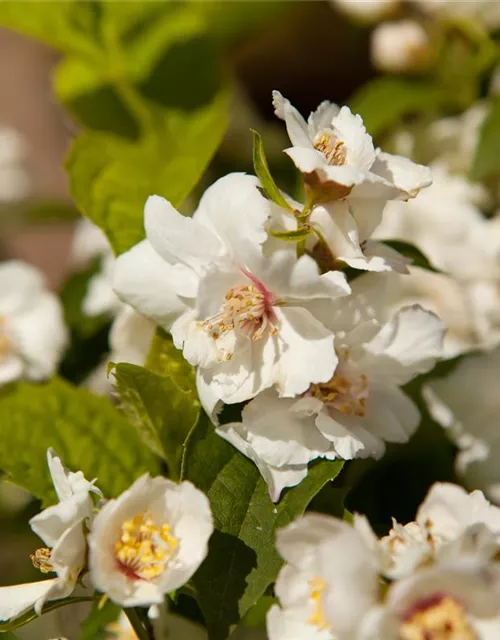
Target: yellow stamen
x,y
144,547
318,618
443,619
41,560
327,143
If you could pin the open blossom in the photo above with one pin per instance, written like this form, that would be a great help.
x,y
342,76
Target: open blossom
x,y
400,47
149,541
62,528
328,582
359,408
337,157
446,514
467,404
32,331
246,318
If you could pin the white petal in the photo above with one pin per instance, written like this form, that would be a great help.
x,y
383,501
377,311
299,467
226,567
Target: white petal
x,y
388,259
89,242
368,214
234,209
130,336
358,144
409,345
390,414
291,625
322,118
40,335
339,230
310,161
348,435
178,238
402,172
53,522
295,124
20,283
11,369
15,600
310,354
148,283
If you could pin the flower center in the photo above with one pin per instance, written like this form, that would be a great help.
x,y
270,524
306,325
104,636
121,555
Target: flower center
x,y
327,143
144,548
41,560
318,618
347,391
439,617
249,308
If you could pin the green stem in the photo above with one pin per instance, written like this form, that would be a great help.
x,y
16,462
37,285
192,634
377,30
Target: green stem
x,y
136,618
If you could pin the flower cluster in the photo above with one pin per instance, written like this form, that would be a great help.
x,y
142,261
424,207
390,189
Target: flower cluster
x,y
436,577
146,543
275,322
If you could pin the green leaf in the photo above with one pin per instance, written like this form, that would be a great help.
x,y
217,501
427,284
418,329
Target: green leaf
x,y
30,615
87,431
293,236
261,167
486,162
418,259
162,411
383,102
111,178
165,359
101,615
242,560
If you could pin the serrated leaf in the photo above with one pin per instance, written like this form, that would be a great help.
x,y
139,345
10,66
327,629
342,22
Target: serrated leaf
x,y
111,178
162,411
297,235
30,615
486,161
242,560
261,168
87,431
93,627
418,259
383,102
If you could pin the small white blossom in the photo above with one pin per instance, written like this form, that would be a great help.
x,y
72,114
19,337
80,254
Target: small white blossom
x,y
245,318
149,541
336,155
32,331
62,528
400,47
355,412
367,11
467,404
446,514
328,582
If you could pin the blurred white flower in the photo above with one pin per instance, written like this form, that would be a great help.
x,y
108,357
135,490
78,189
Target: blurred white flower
x,y
453,600
89,242
32,331
62,528
467,404
368,11
15,183
400,47
337,158
485,11
445,515
149,541
245,318
327,584
355,412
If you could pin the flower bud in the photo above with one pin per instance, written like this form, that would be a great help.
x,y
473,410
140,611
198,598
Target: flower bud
x,y
367,11
400,47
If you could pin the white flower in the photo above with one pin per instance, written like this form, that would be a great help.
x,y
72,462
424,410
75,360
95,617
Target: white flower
x,y
149,541
245,318
368,11
446,514
328,582
467,404
337,158
89,242
454,600
355,412
15,183
400,47
32,331
62,529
